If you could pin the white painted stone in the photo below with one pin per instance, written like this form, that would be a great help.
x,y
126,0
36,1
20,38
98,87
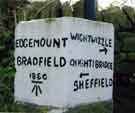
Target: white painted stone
x,y
58,89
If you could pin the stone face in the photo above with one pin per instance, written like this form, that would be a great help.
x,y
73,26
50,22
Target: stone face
x,y
65,72
56,111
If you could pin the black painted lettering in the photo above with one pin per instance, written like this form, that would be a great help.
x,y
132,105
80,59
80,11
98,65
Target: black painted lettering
x,y
64,42
40,60
102,83
49,61
85,38
89,38
62,62
30,43
99,40
106,43
93,39
19,61
29,62
17,43
21,43
102,41
110,82
106,82
44,76
72,62
96,82
87,83
42,42
81,84
35,61
96,64
55,62
111,66
33,76
36,43
91,83
73,36
110,42
38,76
24,60
48,43
86,64
76,85
56,43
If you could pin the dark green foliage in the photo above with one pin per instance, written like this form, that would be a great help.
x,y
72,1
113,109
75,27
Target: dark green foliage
x,y
4,7
67,9
124,23
123,20
7,102
78,9
38,10
114,15
102,107
129,44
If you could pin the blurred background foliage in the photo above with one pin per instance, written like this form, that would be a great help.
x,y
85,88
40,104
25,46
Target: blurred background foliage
x,y
14,11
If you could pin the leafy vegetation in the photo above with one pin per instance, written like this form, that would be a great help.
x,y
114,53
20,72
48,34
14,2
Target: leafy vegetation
x,y
102,107
13,11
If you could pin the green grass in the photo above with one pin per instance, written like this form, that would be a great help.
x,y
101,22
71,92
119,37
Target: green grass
x,y
100,107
